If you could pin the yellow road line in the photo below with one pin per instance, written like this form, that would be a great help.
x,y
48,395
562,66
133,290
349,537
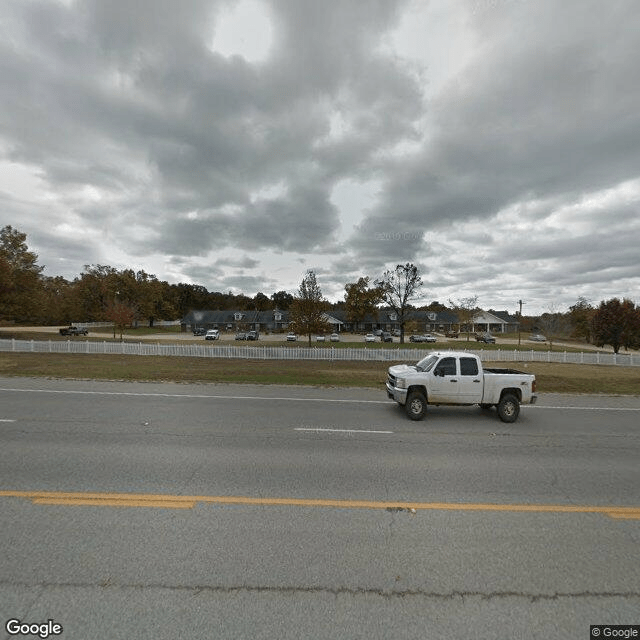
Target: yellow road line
x,y
188,502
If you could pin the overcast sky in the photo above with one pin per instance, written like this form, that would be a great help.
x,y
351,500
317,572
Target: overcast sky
x,y
234,145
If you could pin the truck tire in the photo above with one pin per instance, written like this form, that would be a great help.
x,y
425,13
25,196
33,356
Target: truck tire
x,y
508,408
416,405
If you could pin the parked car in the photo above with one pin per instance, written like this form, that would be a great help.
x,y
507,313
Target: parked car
x,y
396,333
73,331
537,337
451,334
334,337
252,335
485,337
291,337
377,332
241,335
386,337
212,334
319,338
199,331
422,338
369,337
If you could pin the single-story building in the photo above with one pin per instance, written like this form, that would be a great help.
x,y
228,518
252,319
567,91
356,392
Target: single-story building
x,y
244,320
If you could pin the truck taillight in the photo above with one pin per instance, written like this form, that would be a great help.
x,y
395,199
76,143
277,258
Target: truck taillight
x,y
533,387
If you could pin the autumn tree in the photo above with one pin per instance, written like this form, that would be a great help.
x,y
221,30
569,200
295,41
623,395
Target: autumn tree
x,y
617,324
20,282
308,310
361,300
397,288
56,300
580,316
121,314
465,309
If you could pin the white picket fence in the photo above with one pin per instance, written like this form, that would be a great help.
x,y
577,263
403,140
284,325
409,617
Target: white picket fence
x,y
282,352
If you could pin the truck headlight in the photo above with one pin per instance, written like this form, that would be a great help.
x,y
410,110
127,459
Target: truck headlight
x,y
401,383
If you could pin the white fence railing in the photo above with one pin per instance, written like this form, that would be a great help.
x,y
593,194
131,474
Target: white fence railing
x,y
281,352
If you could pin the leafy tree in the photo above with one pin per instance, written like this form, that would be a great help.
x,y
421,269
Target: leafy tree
x,y
465,309
189,296
617,323
121,314
581,315
56,301
435,306
20,283
261,302
282,300
397,287
308,310
361,300
93,291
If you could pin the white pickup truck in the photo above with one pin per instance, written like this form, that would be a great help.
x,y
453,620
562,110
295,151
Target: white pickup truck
x,y
458,378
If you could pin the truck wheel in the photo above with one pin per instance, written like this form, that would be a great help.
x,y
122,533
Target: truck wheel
x,y
416,406
508,408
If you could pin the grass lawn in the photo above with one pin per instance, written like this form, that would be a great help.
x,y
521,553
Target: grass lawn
x,y
551,377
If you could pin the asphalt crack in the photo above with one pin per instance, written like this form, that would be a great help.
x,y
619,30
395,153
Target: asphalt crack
x,y
108,585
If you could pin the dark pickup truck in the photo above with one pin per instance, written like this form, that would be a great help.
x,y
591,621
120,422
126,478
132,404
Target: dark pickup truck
x,y
73,331
485,337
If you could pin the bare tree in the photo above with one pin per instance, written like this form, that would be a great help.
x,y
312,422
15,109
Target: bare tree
x,y
465,309
397,287
553,324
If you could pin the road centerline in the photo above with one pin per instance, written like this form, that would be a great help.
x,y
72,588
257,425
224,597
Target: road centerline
x,y
187,502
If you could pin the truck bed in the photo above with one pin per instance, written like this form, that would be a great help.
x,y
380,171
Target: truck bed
x,y
524,373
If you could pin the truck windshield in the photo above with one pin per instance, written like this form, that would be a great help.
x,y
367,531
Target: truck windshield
x,y
426,364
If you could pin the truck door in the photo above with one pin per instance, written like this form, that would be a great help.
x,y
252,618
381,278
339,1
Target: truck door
x,y
444,383
470,381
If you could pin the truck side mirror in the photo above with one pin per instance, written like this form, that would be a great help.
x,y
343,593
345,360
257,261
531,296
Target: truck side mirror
x,y
439,372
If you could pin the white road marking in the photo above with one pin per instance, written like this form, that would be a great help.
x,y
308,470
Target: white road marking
x,y
189,395
279,398
339,430
535,406
6,420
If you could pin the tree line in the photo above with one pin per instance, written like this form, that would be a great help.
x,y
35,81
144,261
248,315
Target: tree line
x,y
122,297
103,293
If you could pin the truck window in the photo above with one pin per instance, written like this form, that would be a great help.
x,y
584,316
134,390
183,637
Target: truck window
x,y
446,367
468,367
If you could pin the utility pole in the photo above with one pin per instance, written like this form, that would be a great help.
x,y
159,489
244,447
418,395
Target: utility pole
x,y
520,302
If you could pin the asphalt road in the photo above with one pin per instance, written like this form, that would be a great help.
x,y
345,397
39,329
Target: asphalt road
x,y
213,511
